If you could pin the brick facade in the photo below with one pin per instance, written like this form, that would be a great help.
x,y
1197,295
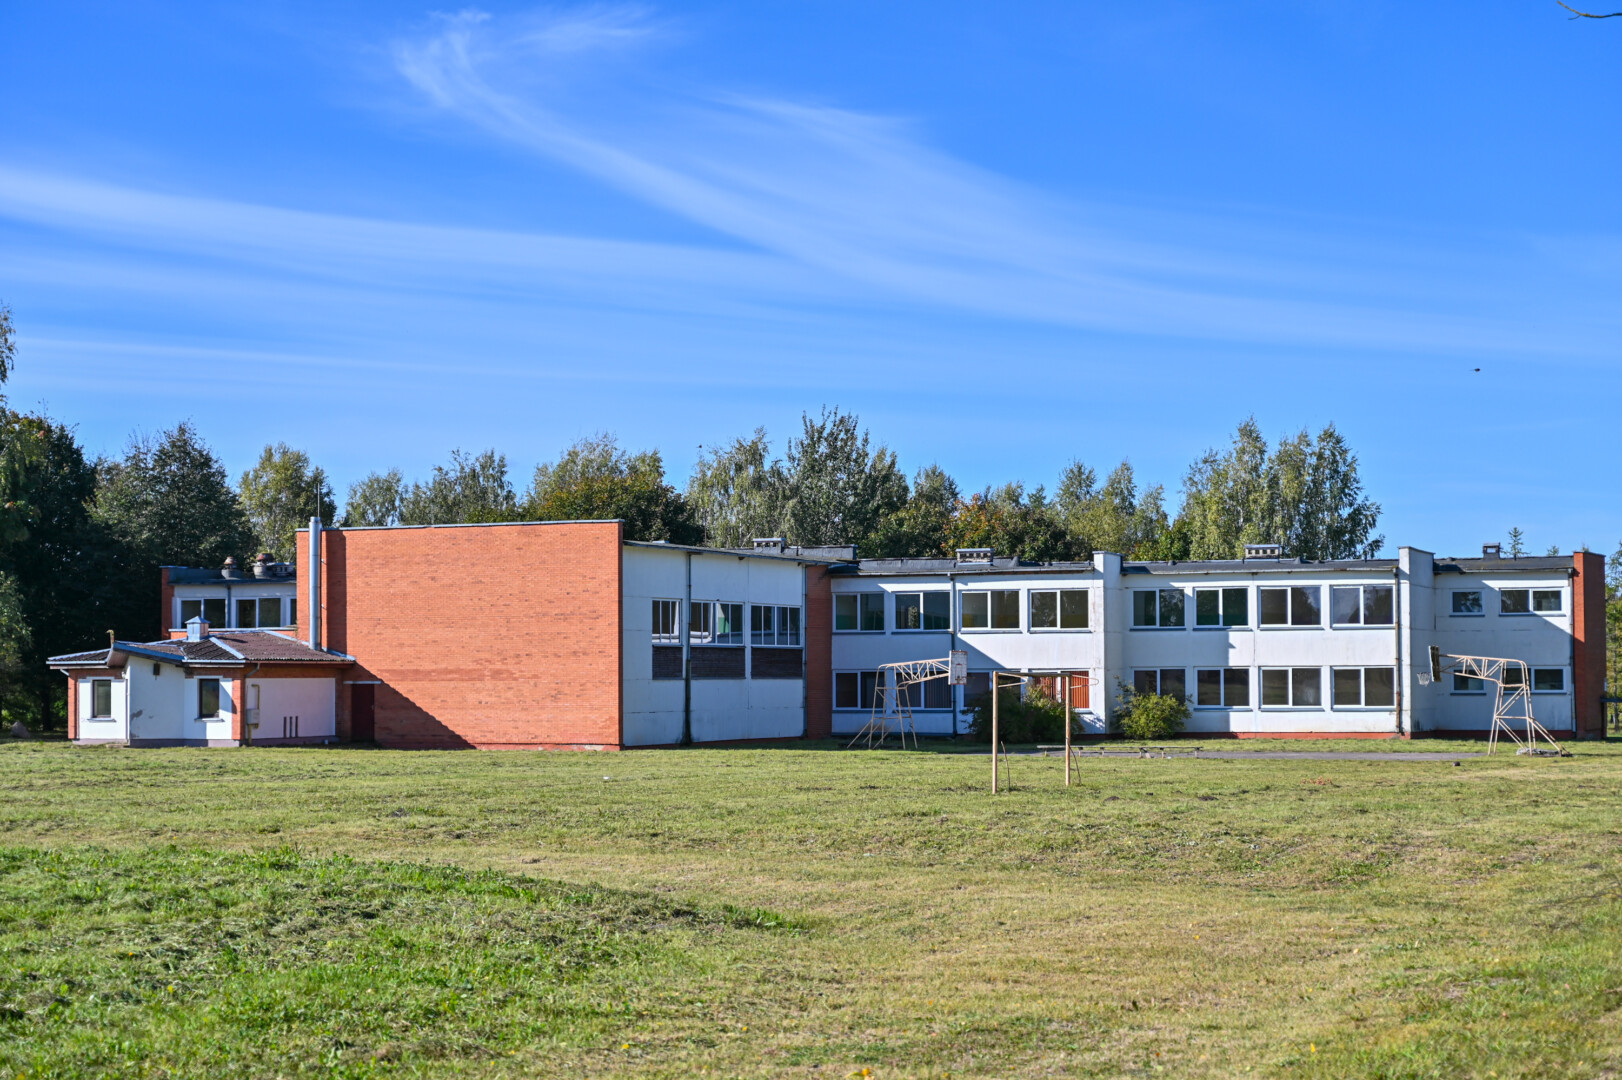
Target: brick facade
x,y
819,665
1588,644
492,636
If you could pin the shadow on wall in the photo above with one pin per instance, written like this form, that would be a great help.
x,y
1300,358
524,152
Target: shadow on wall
x,y
401,724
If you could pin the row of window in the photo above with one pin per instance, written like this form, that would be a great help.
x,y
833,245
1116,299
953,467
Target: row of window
x,y
980,609
1544,681
719,622
1292,605
262,612
101,699
1510,602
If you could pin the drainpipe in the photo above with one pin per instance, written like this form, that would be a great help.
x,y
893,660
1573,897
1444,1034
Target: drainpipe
x,y
951,628
686,627
1396,602
805,683
315,583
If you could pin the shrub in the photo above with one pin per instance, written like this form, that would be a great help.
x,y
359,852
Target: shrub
x,y
1038,718
1152,716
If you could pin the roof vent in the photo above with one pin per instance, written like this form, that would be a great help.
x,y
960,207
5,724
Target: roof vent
x,y
196,628
1264,551
1492,551
768,543
261,565
975,556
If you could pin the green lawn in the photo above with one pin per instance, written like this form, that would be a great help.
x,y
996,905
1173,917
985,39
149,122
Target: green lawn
x,y
775,912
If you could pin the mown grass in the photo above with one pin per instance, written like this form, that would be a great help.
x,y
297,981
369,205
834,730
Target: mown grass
x,y
800,912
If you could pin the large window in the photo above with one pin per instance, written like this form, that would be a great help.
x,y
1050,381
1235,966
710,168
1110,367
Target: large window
x,y
859,611
1157,608
699,626
1362,605
263,612
1463,684
994,609
211,610
1372,687
855,689
929,694
1467,601
1529,602
1226,688
1298,605
666,622
1222,607
101,699
208,698
770,625
1172,681
923,611
1292,688
1058,609
1544,680
728,624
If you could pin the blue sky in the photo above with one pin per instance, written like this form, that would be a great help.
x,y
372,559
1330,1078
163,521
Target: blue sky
x,y
1006,235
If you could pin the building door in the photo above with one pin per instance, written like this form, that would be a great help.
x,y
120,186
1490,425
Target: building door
x,y
362,720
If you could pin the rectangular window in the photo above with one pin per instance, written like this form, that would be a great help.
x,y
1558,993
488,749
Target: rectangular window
x,y
1222,607
1222,688
270,611
101,699
859,611
189,610
1162,608
214,611
1463,684
1172,682
847,689
923,611
1515,602
1059,609
1467,602
978,686
1373,687
788,626
872,611
1361,605
1292,688
666,615
247,614
929,694
728,624
774,626
996,609
1297,605
698,622
870,690
1549,680
208,698
292,611
1546,601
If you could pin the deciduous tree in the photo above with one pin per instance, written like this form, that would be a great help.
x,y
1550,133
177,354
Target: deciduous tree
x,y
281,493
470,489
595,479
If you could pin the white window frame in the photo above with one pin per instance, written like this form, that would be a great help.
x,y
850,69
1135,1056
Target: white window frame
x,y
1160,608
1222,607
1289,622
1159,672
1532,593
1481,603
739,634
862,601
1480,687
701,622
202,603
219,698
673,636
1058,611
1363,606
778,637
990,609
1362,687
1225,706
97,716
1565,683
860,673
1261,683
922,595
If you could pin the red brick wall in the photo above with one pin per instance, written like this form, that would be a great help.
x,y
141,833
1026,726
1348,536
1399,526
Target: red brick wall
x,y
73,707
481,636
819,663
1588,643
166,594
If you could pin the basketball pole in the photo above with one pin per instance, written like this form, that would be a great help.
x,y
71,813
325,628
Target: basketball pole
x,y
1066,729
995,735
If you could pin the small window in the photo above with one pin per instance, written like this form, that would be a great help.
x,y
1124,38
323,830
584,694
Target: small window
x,y
1222,607
1515,602
1464,684
872,611
995,609
1374,687
1298,605
977,686
771,626
929,694
101,699
666,615
247,614
270,611
208,698
698,622
1546,601
1361,605
859,611
788,626
923,611
214,611
1172,682
856,689
1059,609
1227,688
1292,688
292,611
1549,680
1157,608
976,611
728,624
189,610
1467,602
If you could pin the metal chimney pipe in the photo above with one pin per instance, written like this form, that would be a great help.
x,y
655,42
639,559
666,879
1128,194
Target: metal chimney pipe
x,y
314,608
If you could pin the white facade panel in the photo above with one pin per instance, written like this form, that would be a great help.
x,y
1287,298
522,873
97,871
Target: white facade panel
x,y
290,709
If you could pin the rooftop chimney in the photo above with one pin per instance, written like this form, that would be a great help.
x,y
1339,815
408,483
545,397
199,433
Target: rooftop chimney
x,y
196,628
261,565
768,543
1264,551
975,556
230,568
1492,551
313,611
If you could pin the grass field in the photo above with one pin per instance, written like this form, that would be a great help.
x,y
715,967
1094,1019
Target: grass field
x,y
802,912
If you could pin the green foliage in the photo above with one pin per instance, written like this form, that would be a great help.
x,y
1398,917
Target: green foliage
x,y
595,480
1013,524
736,492
375,500
1038,717
838,488
924,525
469,490
1517,544
170,500
1149,717
1113,517
8,343
1304,494
280,494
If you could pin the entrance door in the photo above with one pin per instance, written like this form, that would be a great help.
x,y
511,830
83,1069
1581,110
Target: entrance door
x,y
362,721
